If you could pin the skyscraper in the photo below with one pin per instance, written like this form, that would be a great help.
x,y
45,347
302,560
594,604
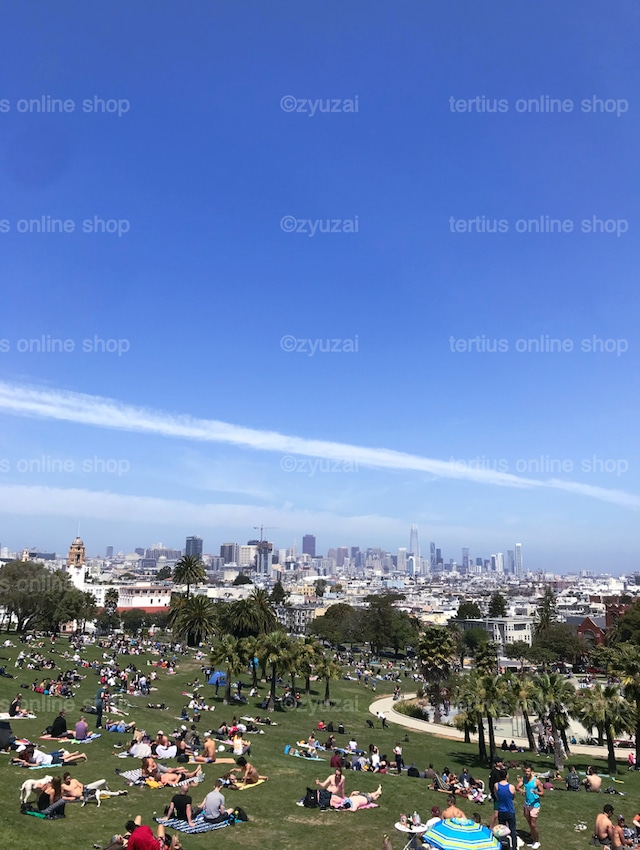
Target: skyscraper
x,y
500,563
518,561
194,546
432,557
465,559
414,544
511,562
402,560
230,552
109,551
341,553
309,545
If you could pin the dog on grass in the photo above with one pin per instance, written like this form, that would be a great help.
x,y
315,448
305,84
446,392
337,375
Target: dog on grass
x,y
31,785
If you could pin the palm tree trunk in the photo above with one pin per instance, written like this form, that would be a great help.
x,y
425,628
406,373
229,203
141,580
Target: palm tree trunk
x,y
293,683
307,685
467,734
527,726
557,749
272,693
638,732
482,746
611,753
327,696
565,743
227,693
492,736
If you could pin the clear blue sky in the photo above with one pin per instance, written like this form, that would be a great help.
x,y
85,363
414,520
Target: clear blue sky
x,y
218,145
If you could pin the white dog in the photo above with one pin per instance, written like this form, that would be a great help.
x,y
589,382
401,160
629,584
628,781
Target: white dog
x,y
31,785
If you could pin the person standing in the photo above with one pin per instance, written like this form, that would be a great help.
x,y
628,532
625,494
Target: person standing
x,y
494,777
397,751
101,697
531,787
504,793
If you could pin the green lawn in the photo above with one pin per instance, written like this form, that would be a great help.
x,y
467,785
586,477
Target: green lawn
x,y
275,819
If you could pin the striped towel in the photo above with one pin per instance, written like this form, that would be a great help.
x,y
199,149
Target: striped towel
x,y
135,777
200,825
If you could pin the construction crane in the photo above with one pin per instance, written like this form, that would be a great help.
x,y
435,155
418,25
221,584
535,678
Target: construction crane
x,y
262,528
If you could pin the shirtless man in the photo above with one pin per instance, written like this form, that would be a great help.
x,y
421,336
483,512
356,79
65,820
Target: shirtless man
x,y
73,789
166,775
592,781
249,775
208,750
452,811
618,840
335,785
603,827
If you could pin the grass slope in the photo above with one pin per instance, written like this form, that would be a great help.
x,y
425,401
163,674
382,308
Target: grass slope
x,y
275,820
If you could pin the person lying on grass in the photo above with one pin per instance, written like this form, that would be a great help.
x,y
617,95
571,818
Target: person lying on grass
x,y
360,799
31,756
166,775
249,775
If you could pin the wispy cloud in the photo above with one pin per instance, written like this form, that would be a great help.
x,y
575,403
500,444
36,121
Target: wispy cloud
x,y
107,413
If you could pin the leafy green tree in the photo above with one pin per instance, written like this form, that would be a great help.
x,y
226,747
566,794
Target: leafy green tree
x,y
627,628
227,652
164,573
624,662
133,620
321,586
189,570
468,611
497,605
336,625
559,642
518,650
248,649
278,594
436,651
310,655
241,579
546,613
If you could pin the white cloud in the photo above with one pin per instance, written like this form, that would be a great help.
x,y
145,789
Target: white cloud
x,y
107,413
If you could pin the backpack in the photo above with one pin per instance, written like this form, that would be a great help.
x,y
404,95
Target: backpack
x,y
310,800
573,782
324,798
240,814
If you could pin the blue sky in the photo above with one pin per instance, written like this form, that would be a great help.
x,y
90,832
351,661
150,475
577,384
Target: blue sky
x,y
219,168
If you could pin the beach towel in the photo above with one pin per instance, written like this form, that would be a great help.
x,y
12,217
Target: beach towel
x,y
135,778
87,740
242,787
306,758
199,825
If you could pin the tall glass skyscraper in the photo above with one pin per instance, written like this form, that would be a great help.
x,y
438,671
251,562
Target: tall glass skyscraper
x,y
519,567
194,546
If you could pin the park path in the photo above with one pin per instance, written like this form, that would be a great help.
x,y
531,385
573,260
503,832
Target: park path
x,y
387,705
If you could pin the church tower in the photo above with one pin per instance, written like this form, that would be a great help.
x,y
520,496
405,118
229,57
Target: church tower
x,y
76,562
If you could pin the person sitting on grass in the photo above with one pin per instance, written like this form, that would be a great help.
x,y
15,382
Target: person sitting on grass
x,y
452,811
51,801
249,775
335,785
181,807
73,790
361,799
592,782
142,838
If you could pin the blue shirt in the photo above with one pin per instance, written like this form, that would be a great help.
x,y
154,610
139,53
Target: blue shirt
x,y
505,798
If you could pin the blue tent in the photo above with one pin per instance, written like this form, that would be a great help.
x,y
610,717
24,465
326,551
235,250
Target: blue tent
x,y
217,678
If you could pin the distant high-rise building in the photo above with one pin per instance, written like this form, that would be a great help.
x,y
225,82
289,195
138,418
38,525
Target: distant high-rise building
x,y
341,553
511,562
414,545
432,556
479,562
439,556
230,553
493,563
194,546
465,559
109,551
332,554
355,551
309,545
139,551
500,563
518,561
402,560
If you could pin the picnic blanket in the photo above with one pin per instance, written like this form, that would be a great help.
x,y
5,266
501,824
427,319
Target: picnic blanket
x,y
87,740
305,757
136,778
199,825
217,761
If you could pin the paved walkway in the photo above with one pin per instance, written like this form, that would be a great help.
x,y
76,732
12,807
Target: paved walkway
x,y
387,705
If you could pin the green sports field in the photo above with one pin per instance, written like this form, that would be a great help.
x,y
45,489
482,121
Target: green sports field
x,y
275,820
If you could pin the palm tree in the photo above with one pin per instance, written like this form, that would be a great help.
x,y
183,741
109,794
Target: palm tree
x,y
554,697
486,659
521,691
273,651
495,705
310,655
195,619
265,613
327,669
241,619
111,599
607,710
625,663
226,651
248,651
436,652
189,570
465,723
469,696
